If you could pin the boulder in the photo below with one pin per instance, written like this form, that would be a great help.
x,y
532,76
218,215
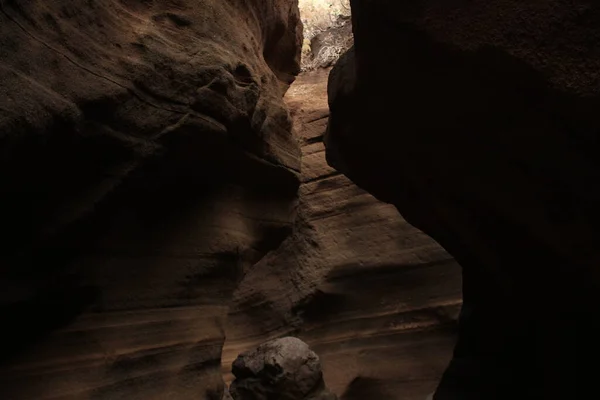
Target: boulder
x,y
478,121
283,369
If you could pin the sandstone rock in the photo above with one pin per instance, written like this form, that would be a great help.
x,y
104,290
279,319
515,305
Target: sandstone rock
x,y
283,369
328,46
375,297
146,162
327,32
478,120
320,15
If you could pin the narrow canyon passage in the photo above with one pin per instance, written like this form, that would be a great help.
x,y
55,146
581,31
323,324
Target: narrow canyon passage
x,y
373,296
181,181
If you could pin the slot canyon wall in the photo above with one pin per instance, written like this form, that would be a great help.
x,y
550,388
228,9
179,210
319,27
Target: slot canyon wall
x,y
479,121
148,169
146,161
374,297
150,179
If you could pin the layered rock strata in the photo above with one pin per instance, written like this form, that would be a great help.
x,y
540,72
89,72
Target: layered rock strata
x,y
376,298
478,121
146,161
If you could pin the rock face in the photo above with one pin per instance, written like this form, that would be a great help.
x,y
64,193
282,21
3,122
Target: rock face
x,y
146,161
327,47
376,298
479,121
327,32
283,369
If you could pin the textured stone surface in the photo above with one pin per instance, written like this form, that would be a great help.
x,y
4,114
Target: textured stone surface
x,y
481,126
373,296
319,15
327,47
146,161
283,369
327,32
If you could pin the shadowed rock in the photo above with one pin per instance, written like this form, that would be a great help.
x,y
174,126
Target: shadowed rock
x,y
146,161
283,369
372,295
478,121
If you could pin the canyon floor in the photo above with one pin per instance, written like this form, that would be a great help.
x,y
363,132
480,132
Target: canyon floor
x,y
376,298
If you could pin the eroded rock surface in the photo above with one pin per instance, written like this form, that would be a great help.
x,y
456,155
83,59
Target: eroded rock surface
x,y
327,32
376,298
479,121
146,161
283,369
